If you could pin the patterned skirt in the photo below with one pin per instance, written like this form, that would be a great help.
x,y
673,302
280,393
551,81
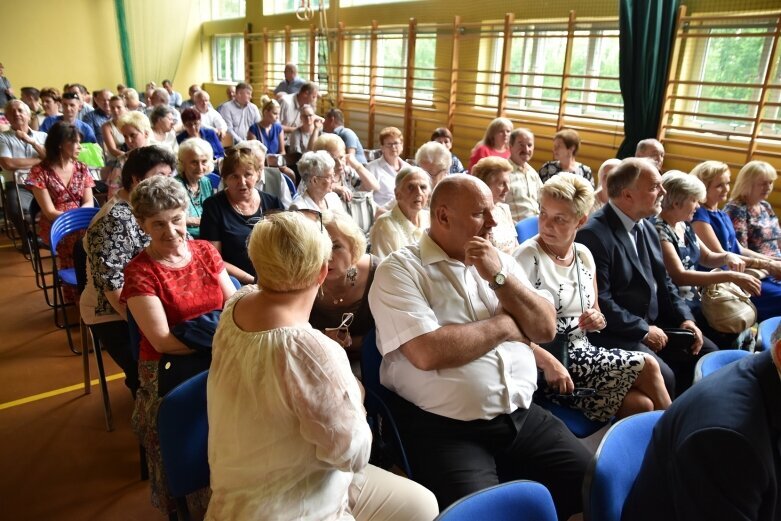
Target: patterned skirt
x,y
144,424
610,372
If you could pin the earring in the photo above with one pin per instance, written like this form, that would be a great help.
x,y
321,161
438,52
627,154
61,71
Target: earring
x,y
352,274
321,291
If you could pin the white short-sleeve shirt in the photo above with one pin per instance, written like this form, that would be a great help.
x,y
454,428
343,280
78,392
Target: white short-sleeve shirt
x,y
417,290
386,177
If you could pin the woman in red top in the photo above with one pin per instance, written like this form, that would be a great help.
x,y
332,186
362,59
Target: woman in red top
x,y
171,281
61,183
496,142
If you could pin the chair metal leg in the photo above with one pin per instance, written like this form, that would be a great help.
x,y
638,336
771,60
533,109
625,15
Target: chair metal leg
x,y
103,385
85,355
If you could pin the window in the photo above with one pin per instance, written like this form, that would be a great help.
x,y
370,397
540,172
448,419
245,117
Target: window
x,y
228,58
536,70
271,7
299,54
355,3
221,9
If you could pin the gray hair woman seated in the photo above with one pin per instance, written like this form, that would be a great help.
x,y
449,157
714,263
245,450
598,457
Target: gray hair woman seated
x,y
171,281
288,437
194,162
163,122
317,176
409,216
625,382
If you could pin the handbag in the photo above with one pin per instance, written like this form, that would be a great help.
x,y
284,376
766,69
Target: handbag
x,y
727,308
175,369
679,344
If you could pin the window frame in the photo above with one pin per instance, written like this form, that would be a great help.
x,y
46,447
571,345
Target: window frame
x,y
235,61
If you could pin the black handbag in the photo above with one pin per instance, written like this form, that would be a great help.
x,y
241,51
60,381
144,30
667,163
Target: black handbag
x,y
175,369
679,344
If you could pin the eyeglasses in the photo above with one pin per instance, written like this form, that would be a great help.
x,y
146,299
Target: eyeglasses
x,y
237,151
343,331
393,145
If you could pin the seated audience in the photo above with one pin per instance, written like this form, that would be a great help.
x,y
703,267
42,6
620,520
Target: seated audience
x,y
163,133
71,103
334,124
292,82
239,112
271,179
465,374
566,143
408,218
210,118
495,172
304,137
85,105
174,98
112,240
290,106
268,130
349,176
317,176
682,253
196,159
135,129
386,167
288,437
444,136
172,280
230,93
101,115
189,103
191,121
494,143
341,310
32,98
636,294
625,382
756,225
113,140
714,228
707,461
50,101
600,194
435,159
61,183
652,150
132,102
525,183
229,215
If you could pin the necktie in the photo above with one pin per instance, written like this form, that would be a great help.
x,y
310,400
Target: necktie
x,y
645,262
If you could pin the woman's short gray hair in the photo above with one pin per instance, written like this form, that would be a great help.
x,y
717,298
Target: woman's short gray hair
x,y
159,113
157,194
197,146
435,153
572,188
315,164
407,171
681,187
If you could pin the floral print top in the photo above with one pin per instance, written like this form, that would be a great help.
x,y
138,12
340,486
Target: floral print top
x,y
688,250
552,168
755,228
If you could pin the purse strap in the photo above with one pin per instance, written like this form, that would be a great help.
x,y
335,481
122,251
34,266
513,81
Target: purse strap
x,y
577,272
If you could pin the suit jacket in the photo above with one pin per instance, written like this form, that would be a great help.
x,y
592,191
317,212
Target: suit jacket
x,y
715,454
624,290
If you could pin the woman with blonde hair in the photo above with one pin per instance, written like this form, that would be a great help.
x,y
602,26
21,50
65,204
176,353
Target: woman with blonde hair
x,y
495,172
566,143
715,229
495,142
756,225
624,382
135,129
288,437
269,130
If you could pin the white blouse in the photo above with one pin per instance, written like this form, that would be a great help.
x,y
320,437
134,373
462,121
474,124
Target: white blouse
x,y
287,430
393,230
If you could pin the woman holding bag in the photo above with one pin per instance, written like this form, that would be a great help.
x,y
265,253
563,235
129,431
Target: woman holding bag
x,y
624,382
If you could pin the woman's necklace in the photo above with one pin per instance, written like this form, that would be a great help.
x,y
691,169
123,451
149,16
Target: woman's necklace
x,y
176,260
335,298
251,205
551,252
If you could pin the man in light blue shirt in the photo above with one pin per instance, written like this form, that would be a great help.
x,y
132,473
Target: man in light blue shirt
x,y
292,83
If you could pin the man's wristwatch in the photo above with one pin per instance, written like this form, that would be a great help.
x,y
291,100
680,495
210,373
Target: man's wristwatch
x,y
498,280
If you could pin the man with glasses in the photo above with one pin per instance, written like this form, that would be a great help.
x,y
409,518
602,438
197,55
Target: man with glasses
x,y
71,103
334,124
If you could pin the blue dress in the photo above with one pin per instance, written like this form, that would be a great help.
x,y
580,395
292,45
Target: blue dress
x,y
768,303
270,138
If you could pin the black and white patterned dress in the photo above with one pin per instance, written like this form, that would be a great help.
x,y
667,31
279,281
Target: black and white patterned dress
x,y
611,372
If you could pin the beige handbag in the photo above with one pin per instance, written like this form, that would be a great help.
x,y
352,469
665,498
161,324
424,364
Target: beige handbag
x,y
727,308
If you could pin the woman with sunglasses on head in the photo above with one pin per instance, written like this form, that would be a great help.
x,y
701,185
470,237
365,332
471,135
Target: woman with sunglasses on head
x,y
341,310
288,437
317,177
228,216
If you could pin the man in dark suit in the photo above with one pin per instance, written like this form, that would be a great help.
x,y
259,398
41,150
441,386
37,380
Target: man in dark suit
x,y
636,294
715,454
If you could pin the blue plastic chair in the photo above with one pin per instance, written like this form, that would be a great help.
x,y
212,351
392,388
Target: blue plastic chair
x,y
714,361
215,180
183,429
69,222
512,501
291,185
379,416
574,419
766,330
527,228
615,466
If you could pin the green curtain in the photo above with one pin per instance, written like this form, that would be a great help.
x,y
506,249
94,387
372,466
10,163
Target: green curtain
x,y
155,34
646,42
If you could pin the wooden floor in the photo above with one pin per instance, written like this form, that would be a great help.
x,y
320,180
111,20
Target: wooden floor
x,y
57,461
